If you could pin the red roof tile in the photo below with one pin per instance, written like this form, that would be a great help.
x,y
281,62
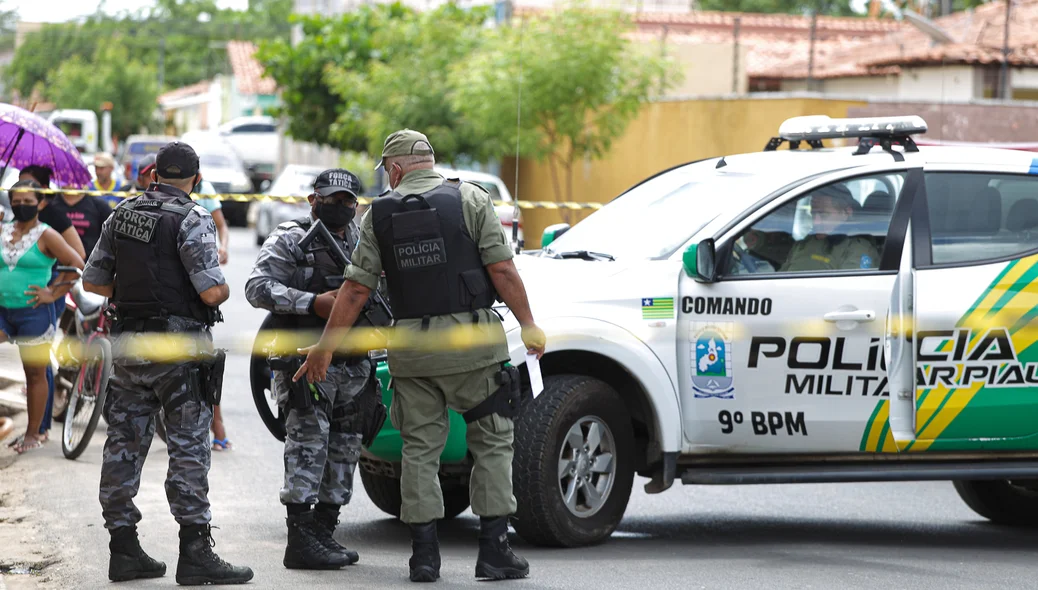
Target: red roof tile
x,y
185,91
248,73
978,37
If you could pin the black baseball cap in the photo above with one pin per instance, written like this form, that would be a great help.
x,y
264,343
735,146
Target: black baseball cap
x,y
176,160
336,180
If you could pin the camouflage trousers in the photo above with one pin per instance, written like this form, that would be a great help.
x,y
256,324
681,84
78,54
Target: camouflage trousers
x,y
136,393
322,446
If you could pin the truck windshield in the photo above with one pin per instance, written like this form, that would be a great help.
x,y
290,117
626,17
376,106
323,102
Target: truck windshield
x,y
655,218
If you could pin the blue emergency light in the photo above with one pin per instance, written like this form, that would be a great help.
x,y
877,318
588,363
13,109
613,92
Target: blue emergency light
x,y
885,132
823,127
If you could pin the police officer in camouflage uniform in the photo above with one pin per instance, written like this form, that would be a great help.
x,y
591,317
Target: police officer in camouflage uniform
x,y
157,263
322,445
446,261
832,243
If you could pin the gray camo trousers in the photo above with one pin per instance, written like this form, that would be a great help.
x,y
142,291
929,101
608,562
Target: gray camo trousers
x,y
322,447
136,394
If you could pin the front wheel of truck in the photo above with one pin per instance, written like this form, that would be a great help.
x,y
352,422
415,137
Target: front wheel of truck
x,y
574,463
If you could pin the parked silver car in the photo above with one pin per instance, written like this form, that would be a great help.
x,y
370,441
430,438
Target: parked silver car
x,y
297,181
220,165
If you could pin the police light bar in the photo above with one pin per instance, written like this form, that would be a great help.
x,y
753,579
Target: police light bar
x,y
817,127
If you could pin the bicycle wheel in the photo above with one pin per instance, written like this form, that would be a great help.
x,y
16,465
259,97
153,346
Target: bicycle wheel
x,y
87,399
261,381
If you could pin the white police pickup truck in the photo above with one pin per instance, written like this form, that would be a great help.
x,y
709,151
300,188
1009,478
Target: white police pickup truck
x,y
856,314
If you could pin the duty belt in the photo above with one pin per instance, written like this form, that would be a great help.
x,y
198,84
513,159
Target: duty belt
x,y
152,324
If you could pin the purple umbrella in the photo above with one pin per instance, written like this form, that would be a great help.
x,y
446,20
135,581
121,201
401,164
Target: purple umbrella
x,y
27,139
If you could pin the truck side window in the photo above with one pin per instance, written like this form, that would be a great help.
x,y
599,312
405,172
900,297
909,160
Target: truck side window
x,y
839,226
980,216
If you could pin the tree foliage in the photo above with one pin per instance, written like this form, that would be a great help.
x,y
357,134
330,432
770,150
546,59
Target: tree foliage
x,y
408,86
181,39
315,113
131,88
582,82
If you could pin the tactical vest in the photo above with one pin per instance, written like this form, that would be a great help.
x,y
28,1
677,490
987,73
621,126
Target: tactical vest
x,y
431,262
150,279
317,271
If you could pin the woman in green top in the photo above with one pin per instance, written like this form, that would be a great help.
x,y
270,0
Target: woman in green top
x,y
28,249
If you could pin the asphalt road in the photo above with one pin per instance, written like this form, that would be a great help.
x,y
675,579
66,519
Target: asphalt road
x,y
871,536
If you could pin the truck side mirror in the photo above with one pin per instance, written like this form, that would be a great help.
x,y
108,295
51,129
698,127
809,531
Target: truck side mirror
x,y
552,233
698,261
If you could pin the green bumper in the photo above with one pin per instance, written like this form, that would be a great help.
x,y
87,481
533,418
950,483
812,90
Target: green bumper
x,y
387,445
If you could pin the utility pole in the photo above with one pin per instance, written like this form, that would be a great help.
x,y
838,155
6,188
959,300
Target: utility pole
x,y
811,55
1005,54
735,55
162,62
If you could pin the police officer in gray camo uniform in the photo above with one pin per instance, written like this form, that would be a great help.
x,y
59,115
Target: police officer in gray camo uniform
x,y
157,262
322,445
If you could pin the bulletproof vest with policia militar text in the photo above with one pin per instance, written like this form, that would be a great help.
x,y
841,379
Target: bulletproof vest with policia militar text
x,y
431,262
150,279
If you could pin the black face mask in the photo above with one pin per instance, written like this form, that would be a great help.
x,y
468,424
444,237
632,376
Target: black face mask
x,y
25,213
336,216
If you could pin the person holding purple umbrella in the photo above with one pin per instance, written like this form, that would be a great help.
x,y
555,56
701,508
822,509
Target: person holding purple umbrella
x,y
59,222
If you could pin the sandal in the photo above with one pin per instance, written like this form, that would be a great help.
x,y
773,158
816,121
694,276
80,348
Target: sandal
x,y
23,446
222,445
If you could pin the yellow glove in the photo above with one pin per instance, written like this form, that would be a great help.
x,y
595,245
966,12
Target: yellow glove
x,y
534,338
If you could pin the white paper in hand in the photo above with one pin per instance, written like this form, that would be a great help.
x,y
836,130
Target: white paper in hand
x,y
534,367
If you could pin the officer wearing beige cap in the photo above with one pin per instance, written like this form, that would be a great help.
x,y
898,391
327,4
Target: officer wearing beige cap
x,y
446,261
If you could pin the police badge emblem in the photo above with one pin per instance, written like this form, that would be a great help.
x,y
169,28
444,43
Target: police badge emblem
x,y
711,360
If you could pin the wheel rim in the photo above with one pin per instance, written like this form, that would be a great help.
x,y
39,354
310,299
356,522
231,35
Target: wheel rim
x,y
587,466
81,404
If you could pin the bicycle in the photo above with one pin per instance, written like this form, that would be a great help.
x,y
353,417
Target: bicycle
x,y
261,379
86,400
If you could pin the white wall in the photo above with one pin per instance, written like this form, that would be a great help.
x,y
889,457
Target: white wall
x,y
876,86
1023,77
952,83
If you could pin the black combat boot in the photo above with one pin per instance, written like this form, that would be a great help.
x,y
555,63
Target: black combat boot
x,y
198,564
425,553
325,522
129,561
305,551
496,560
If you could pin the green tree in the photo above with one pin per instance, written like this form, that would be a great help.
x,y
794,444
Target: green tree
x,y
409,84
582,83
182,38
304,73
131,88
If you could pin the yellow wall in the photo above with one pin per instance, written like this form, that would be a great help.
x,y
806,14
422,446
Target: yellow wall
x,y
664,134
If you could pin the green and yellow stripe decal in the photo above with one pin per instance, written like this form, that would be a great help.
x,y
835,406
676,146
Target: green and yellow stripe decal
x,y
1010,301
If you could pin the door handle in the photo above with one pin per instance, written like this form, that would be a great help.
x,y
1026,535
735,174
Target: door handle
x,y
858,315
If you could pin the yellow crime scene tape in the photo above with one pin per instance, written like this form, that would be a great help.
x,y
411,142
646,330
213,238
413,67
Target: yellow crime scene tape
x,y
249,197
172,348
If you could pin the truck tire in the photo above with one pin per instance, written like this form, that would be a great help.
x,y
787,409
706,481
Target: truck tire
x,y
1001,501
384,492
557,427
